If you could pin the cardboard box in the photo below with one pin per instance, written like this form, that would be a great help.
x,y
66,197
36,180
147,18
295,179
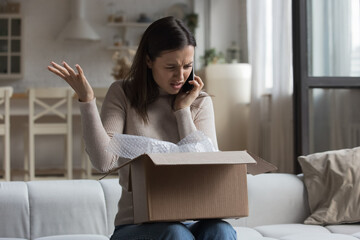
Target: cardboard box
x,y
190,186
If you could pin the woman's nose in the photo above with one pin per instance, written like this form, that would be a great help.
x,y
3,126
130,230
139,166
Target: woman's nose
x,y
180,73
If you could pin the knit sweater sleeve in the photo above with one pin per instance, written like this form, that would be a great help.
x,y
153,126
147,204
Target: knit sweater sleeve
x,y
199,116
98,131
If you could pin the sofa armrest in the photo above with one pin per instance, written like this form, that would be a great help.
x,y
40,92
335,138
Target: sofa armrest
x,y
112,193
14,210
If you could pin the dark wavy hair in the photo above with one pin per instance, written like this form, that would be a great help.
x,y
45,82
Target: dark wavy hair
x,y
165,34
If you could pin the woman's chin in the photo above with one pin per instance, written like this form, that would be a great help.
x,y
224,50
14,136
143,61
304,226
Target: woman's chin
x,y
173,91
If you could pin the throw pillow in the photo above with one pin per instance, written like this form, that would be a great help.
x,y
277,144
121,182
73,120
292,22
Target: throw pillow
x,y
332,180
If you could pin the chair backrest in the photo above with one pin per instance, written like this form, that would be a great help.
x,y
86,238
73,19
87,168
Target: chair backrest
x,y
5,95
50,102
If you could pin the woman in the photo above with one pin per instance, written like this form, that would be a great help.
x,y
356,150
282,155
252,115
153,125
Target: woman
x,y
149,103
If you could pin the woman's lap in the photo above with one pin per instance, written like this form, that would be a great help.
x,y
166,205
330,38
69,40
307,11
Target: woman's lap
x,y
152,231
212,229
203,229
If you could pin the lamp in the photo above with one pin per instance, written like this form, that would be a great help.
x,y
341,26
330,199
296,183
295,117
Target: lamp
x,y
230,85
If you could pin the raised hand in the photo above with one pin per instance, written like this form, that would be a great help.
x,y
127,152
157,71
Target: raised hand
x,y
76,80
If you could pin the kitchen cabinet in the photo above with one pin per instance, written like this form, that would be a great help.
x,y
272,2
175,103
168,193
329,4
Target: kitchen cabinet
x,y
10,46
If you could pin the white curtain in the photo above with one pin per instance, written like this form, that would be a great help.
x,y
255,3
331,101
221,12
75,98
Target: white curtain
x,y
330,37
270,133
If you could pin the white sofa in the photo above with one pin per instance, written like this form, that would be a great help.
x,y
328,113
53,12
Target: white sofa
x,y
85,209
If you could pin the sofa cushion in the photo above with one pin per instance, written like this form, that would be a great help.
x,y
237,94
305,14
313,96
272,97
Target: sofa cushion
x,y
318,236
344,228
246,233
66,207
282,230
357,235
12,239
74,237
14,210
333,186
249,234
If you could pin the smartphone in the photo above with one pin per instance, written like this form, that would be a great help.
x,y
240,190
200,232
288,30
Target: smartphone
x,y
187,86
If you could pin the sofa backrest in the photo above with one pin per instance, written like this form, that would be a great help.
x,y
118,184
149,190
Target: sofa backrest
x,y
275,198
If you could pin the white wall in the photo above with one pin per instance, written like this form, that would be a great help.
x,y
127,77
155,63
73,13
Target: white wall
x,y
224,22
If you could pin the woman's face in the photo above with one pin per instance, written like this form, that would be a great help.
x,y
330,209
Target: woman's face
x,y
171,69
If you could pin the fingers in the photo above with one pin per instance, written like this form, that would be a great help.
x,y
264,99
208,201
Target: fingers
x,y
80,71
66,70
198,83
70,70
60,69
57,72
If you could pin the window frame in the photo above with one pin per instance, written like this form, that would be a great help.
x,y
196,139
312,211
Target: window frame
x,y
303,83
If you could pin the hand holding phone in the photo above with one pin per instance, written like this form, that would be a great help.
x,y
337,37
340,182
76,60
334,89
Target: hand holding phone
x,y
189,92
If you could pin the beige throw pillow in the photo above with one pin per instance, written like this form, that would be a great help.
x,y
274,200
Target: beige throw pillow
x,y
332,180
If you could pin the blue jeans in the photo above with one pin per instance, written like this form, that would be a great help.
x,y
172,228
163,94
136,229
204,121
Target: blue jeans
x,y
207,229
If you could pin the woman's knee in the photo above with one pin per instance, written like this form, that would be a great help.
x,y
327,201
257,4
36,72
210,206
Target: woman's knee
x,y
215,229
153,231
176,231
225,230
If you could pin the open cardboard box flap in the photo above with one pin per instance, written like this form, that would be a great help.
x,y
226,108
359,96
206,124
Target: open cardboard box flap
x,y
261,165
255,164
201,158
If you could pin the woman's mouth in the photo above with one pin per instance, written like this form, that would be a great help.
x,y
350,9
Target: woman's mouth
x,y
176,85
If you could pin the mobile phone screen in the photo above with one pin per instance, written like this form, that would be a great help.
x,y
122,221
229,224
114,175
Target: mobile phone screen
x,y
187,86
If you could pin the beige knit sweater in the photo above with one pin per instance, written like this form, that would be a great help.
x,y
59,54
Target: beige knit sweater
x,y
117,116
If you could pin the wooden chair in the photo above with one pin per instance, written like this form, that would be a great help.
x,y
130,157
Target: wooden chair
x,y
5,95
55,103
88,172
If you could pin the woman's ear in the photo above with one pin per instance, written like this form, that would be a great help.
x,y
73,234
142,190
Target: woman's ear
x,y
148,62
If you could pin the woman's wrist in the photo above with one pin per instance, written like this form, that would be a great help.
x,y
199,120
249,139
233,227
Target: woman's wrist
x,y
86,98
181,109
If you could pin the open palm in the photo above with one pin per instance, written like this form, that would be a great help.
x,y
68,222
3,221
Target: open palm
x,y
76,80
